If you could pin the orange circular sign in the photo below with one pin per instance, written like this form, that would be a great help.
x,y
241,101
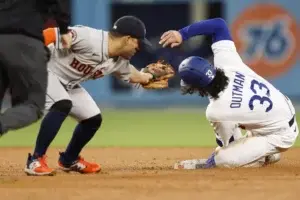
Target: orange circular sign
x,y
266,37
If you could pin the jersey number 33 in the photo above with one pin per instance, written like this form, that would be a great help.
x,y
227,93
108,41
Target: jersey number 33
x,y
263,99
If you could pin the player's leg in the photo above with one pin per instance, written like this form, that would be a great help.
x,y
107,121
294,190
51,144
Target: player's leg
x,y
271,159
283,139
89,118
249,151
222,141
58,106
24,60
3,85
246,151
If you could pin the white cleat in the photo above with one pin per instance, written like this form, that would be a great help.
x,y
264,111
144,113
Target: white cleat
x,y
191,164
268,160
271,159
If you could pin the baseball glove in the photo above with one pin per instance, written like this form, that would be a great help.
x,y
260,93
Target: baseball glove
x,y
161,72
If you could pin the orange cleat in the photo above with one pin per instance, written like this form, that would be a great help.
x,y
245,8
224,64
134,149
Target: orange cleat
x,y
79,165
37,166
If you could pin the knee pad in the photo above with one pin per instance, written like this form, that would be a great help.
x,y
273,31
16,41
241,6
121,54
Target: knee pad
x,y
93,122
64,106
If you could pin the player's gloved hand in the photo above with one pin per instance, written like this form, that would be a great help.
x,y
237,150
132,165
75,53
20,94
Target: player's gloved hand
x,y
161,73
66,40
171,38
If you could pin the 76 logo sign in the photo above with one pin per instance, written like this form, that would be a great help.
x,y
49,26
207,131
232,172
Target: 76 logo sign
x,y
270,41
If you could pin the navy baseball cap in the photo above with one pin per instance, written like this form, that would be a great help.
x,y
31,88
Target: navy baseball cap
x,y
132,26
196,71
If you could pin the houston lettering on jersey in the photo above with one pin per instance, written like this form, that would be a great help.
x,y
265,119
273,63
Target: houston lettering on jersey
x,y
85,69
237,90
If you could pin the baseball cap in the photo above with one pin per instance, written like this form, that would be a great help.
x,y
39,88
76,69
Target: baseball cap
x,y
196,71
132,26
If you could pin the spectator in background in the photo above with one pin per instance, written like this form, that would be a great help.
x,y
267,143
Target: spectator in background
x,y
23,57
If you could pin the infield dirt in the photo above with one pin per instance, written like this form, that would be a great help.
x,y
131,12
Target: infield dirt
x,y
146,173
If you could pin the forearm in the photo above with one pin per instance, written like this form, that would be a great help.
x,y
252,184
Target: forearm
x,y
216,28
139,77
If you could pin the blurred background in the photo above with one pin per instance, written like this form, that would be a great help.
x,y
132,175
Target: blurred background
x,y
266,33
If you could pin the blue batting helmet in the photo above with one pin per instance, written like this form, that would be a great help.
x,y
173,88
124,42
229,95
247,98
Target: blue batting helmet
x,y
196,71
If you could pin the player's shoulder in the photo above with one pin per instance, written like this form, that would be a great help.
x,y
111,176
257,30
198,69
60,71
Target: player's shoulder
x,y
87,33
226,55
79,27
227,45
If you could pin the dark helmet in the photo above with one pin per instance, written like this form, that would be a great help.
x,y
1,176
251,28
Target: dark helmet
x,y
196,71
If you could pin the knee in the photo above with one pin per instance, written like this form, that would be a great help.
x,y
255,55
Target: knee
x,y
64,106
223,159
93,122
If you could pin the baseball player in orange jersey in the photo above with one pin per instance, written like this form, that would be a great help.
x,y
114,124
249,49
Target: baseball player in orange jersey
x,y
94,53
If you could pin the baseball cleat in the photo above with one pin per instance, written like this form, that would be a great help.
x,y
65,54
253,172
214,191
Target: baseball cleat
x,y
265,161
37,166
271,159
191,164
79,165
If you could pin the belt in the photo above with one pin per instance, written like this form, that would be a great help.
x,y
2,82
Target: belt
x,y
292,121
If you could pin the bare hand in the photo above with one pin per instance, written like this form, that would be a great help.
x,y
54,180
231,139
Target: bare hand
x,y
66,40
171,38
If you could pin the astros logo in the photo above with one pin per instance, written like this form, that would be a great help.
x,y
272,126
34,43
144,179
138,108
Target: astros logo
x,y
266,37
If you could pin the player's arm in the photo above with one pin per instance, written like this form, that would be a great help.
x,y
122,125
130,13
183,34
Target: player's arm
x,y
217,28
224,50
52,35
226,132
137,76
80,38
130,74
61,12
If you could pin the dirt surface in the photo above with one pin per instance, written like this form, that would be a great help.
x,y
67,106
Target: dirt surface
x,y
146,173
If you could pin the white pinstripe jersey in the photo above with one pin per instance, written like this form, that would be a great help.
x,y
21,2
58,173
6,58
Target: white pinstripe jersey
x,y
87,59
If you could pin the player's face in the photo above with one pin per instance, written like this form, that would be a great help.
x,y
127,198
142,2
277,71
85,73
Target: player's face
x,y
130,48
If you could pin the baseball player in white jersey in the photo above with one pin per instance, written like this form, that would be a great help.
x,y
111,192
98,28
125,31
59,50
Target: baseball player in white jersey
x,y
94,53
239,99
